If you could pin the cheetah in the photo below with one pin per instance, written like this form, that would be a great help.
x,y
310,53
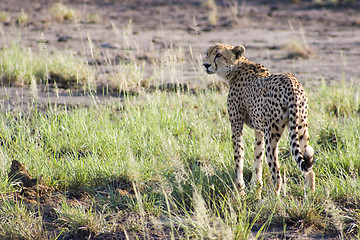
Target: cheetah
x,y
266,103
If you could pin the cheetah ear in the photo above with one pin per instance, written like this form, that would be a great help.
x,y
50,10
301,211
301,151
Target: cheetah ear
x,y
239,51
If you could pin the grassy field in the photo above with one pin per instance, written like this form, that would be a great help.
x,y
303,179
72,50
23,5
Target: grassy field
x,y
160,165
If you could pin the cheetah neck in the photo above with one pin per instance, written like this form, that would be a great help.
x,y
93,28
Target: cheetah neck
x,y
245,70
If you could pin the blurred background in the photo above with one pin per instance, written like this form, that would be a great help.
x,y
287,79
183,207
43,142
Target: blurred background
x,y
112,47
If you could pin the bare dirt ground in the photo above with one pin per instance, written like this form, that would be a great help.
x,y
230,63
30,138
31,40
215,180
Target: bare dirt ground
x,y
332,32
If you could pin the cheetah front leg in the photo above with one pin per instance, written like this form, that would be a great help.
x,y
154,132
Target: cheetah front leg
x,y
237,127
258,157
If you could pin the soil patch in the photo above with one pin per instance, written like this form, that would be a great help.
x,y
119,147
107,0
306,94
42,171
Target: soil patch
x,y
143,31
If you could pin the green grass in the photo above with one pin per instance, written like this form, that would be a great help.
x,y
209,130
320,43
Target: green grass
x,y
18,222
19,65
161,164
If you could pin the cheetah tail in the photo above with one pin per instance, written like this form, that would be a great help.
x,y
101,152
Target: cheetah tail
x,y
309,156
303,159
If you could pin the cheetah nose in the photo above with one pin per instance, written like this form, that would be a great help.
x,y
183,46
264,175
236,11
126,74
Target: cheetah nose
x,y
206,65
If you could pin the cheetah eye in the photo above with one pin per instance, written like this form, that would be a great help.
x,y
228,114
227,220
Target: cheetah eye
x,y
218,55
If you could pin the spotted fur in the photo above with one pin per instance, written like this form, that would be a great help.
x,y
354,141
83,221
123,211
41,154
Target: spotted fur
x,y
267,103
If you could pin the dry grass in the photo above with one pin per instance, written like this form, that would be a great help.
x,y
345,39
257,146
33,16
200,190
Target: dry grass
x,y
60,12
93,18
4,17
22,18
212,8
128,78
297,49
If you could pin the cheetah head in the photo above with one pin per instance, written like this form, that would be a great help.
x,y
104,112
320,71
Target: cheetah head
x,y
221,58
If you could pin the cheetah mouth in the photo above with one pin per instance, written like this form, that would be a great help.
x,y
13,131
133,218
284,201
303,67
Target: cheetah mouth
x,y
209,72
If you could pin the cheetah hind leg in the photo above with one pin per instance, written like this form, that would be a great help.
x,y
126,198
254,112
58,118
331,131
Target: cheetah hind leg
x,y
310,175
258,159
308,154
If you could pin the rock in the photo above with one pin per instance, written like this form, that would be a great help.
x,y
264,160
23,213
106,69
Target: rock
x,y
64,38
18,173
